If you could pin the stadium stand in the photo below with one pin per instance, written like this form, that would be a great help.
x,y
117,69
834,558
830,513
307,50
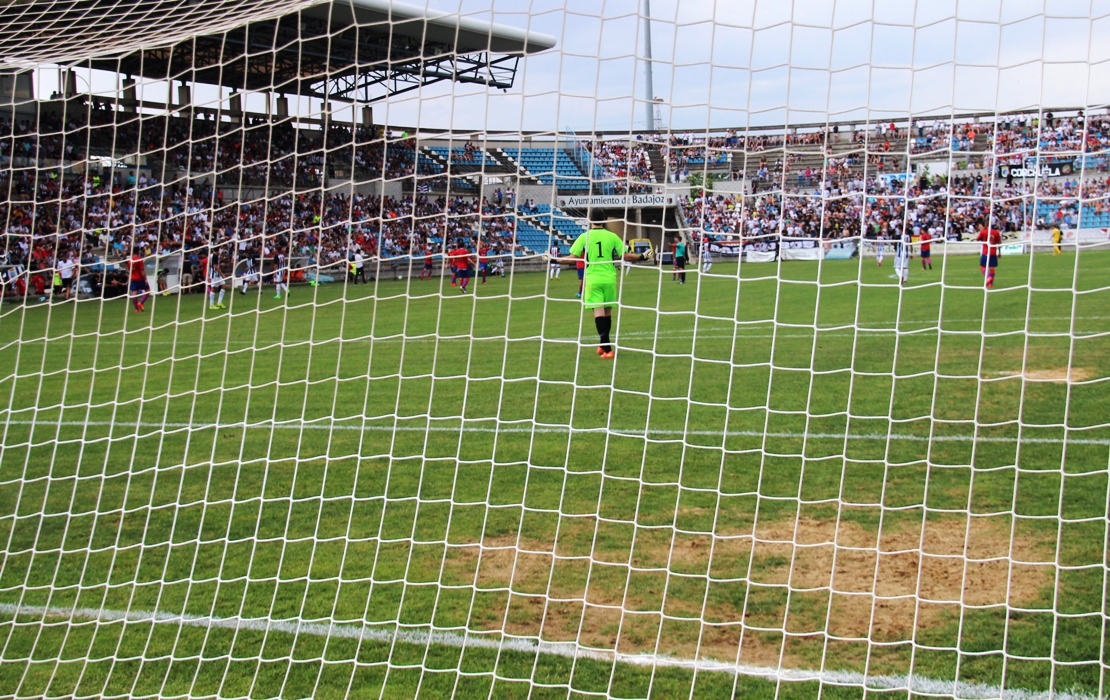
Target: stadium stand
x,y
531,237
558,222
1069,215
549,166
468,155
183,184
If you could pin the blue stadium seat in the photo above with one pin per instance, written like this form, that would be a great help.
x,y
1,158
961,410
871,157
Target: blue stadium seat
x,y
531,237
455,155
550,166
559,221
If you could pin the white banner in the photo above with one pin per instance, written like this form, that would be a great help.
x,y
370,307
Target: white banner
x,y
760,256
727,251
801,253
1083,236
616,201
846,251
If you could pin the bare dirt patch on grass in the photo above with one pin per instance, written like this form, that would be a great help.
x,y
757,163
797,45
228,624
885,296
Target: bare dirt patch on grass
x,y
1059,374
735,596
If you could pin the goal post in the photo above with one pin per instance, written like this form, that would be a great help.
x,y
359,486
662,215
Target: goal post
x,y
368,349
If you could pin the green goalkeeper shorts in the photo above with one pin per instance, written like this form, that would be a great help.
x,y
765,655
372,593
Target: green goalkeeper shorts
x,y
597,295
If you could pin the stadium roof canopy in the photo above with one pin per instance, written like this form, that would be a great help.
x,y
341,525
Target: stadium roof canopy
x,y
361,50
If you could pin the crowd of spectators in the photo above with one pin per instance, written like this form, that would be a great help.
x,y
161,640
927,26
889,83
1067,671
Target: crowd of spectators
x,y
1050,134
52,223
59,219
877,207
252,152
619,162
1005,139
469,153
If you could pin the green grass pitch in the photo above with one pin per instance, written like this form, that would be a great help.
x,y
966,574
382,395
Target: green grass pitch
x,y
781,469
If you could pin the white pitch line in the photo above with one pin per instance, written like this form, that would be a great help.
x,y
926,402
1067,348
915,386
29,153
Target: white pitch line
x,y
498,642
516,428
214,346
742,329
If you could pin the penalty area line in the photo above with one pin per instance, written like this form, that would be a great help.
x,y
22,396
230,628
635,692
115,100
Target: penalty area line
x,y
495,641
517,428
749,329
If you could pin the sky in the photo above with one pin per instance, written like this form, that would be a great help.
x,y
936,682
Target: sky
x,y
733,63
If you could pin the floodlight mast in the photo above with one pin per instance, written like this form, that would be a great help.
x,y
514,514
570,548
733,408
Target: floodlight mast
x,y
649,83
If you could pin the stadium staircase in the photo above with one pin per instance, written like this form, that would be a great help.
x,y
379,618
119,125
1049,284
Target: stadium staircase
x,y
560,225
434,157
547,166
531,237
550,223
658,163
521,171
452,158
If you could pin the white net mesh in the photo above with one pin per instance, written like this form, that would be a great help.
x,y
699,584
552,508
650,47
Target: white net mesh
x,y
301,395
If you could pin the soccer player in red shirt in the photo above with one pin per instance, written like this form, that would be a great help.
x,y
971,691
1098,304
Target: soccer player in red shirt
x,y
426,272
483,261
926,250
140,288
460,261
581,265
988,259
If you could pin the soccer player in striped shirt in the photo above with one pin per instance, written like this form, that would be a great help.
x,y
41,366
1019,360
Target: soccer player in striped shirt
x,y
902,257
215,281
281,275
555,267
247,277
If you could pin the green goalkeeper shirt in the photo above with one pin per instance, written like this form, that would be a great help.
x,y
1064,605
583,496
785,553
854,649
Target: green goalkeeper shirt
x,y
602,250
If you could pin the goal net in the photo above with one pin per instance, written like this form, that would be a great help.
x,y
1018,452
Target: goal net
x,y
520,349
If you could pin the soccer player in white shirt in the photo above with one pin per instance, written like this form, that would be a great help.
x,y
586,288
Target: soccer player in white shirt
x,y
360,270
66,269
902,248
281,275
215,282
556,268
249,276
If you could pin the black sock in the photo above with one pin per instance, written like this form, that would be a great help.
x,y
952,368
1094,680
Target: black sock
x,y
604,324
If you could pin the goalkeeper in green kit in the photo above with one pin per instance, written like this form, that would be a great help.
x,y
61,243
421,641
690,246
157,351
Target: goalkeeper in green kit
x,y
603,252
